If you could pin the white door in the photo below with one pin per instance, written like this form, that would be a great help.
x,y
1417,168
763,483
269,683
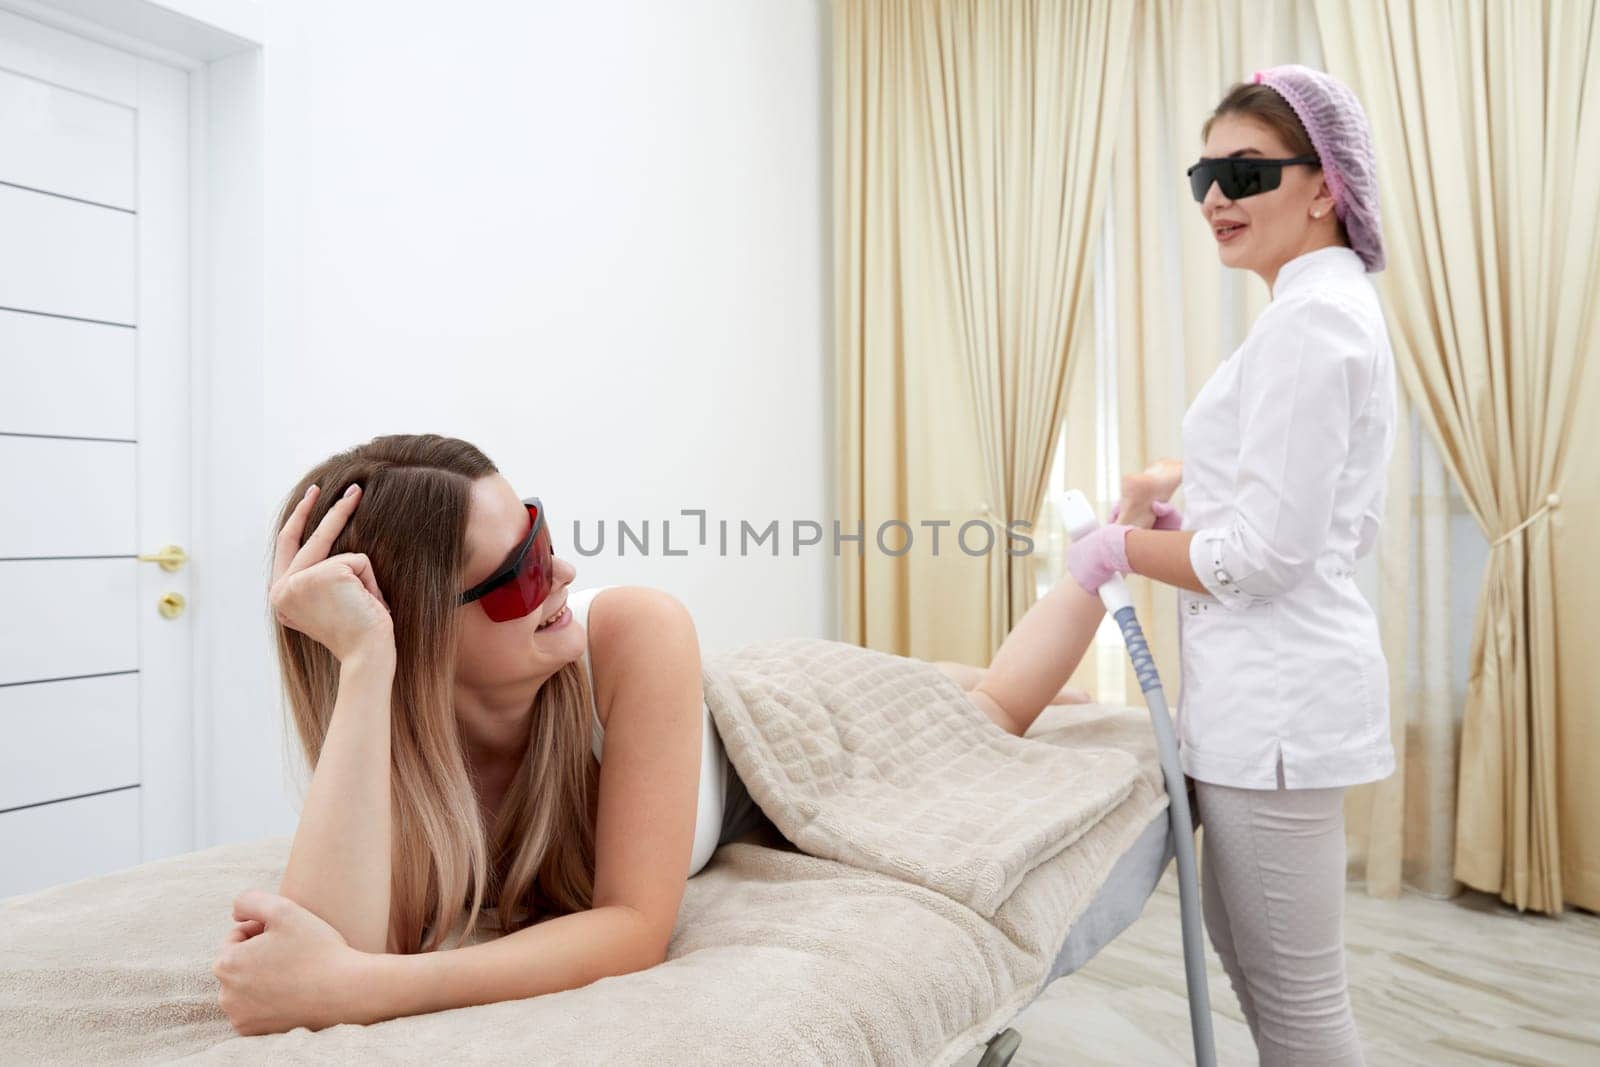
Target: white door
x,y
96,766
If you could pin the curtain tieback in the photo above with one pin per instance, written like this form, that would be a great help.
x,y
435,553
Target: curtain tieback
x,y
1551,502
989,513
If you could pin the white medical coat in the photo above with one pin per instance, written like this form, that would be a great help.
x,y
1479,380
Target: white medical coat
x,y
1284,457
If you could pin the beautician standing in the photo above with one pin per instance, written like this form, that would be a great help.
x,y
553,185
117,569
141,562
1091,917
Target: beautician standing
x,y
1284,700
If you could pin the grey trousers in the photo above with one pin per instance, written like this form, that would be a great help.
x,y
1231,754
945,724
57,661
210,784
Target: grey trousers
x,y
1272,889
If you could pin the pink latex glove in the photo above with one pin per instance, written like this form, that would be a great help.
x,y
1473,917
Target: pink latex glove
x,y
1096,556
1167,516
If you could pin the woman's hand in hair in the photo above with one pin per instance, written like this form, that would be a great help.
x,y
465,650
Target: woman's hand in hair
x,y
334,600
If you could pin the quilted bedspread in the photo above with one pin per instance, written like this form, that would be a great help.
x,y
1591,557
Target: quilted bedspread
x,y
881,762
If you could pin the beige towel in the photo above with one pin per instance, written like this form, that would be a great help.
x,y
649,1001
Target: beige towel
x,y
882,762
778,956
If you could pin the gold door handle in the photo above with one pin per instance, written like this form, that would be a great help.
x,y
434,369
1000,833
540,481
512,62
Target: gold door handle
x,y
171,605
170,558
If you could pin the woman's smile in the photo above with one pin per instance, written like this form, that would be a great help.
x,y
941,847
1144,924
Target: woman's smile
x,y
555,622
1226,230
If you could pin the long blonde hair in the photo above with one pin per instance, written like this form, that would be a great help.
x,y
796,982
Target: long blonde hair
x,y
539,854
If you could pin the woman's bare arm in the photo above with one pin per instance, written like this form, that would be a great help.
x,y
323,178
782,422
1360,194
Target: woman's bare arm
x,y
339,865
1164,556
567,952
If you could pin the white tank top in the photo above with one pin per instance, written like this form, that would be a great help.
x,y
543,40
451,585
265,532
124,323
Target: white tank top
x,y
713,758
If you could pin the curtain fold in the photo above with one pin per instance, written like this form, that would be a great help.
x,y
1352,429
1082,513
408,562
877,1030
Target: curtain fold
x,y
1486,115
1400,831
972,141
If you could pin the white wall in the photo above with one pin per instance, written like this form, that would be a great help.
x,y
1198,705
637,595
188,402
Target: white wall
x,y
589,237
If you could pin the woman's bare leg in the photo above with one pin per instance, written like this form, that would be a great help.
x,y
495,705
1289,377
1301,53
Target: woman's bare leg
x,y
1156,482
963,674
1038,656
969,677
1047,644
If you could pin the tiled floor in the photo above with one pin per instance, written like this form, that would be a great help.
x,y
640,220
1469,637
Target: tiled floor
x,y
1433,982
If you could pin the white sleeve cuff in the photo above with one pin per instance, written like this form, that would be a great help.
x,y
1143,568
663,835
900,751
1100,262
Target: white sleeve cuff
x,y
1206,557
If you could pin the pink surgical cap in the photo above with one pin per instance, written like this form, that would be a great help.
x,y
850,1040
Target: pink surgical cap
x,y
1339,132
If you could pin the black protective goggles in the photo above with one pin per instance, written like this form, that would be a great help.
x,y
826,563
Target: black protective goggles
x,y
1241,176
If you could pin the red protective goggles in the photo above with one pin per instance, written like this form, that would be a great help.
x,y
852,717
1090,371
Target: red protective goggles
x,y
523,581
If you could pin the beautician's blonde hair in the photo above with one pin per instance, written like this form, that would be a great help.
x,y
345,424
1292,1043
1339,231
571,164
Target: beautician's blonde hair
x,y
537,861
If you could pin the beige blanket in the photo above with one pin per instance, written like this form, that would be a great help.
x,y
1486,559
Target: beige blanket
x,y
883,763
915,930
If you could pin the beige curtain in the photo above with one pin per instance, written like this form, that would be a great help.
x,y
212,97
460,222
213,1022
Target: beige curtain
x,y
1401,830
1487,120
972,141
